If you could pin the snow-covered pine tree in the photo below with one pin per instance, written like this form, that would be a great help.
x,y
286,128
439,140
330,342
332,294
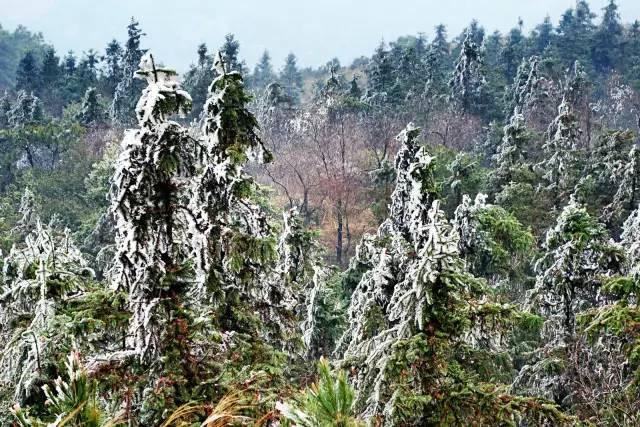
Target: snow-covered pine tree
x,y
263,74
511,155
627,195
198,79
410,330
560,168
577,259
630,241
5,107
91,112
512,181
468,83
123,107
495,245
612,330
301,277
234,246
526,89
613,165
291,79
27,109
148,202
39,274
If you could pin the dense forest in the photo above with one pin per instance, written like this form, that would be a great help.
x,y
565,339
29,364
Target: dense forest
x,y
443,233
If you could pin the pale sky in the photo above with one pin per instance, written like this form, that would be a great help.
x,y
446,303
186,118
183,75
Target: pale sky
x,y
315,31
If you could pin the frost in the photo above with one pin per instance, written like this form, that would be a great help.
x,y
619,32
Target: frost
x,y
37,274
577,256
147,191
413,254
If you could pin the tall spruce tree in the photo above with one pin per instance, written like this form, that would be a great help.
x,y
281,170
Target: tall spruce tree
x,y
263,74
28,74
410,331
91,112
577,258
230,51
198,79
145,200
112,73
291,79
468,83
128,88
607,40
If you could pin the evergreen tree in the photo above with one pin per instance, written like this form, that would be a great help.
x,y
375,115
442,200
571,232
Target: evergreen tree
x,y
631,57
148,224
230,50
50,76
291,79
436,64
526,90
50,72
607,40
91,113
406,321
513,52
562,162
39,273
28,73
380,73
468,83
627,195
113,67
128,88
263,74
69,65
198,78
578,255
5,107
543,36
512,154
574,34
88,70
492,241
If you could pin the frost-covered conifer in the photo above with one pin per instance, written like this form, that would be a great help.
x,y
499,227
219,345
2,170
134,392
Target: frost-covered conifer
x,y
232,228
416,315
468,82
578,254
148,203
304,284
526,88
128,88
559,169
38,274
609,182
5,107
630,240
492,241
512,153
578,257
627,195
27,109
91,112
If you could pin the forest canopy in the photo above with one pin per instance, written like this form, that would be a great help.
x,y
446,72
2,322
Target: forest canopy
x,y
445,232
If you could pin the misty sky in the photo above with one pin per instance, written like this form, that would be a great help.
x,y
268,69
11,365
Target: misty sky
x,y
315,30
